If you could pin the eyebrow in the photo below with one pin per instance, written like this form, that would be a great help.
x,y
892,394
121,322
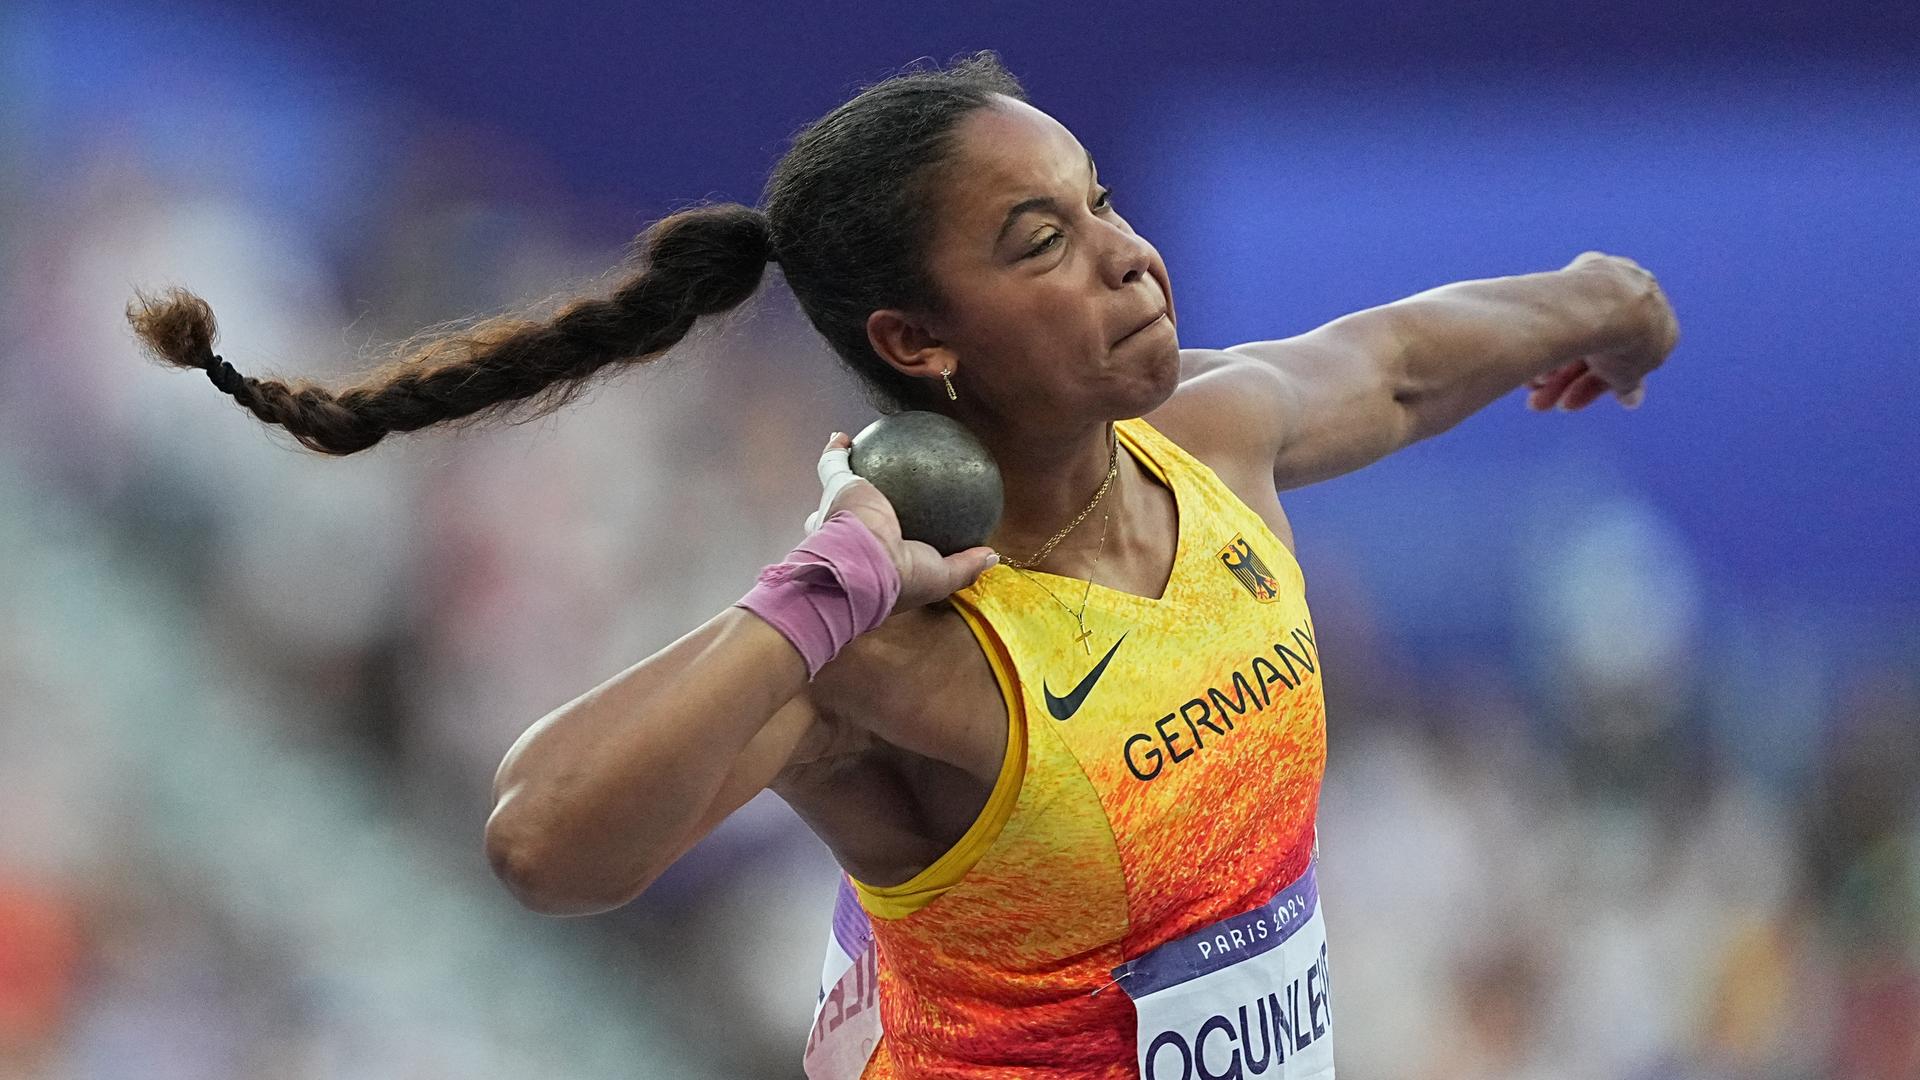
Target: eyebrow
x,y
1039,202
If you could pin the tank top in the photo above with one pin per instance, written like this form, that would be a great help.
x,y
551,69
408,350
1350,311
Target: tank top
x,y
1137,898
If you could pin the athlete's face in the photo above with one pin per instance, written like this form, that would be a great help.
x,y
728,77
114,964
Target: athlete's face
x,y
1046,283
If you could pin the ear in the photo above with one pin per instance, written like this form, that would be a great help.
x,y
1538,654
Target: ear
x,y
909,344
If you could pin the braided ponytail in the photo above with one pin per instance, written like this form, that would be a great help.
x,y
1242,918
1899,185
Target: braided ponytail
x,y
701,261
851,210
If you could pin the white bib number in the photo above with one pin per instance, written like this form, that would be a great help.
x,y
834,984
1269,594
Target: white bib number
x,y
1245,998
846,1019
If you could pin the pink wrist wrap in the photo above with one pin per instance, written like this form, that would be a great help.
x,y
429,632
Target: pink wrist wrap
x,y
837,584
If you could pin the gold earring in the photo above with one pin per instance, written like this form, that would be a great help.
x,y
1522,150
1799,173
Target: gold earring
x,y
946,376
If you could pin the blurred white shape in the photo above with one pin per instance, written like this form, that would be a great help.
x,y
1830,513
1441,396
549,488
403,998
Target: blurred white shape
x,y
762,926
311,547
1619,594
1398,849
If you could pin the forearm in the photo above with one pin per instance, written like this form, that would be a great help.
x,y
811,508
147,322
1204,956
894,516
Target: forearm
x,y
1464,345
596,799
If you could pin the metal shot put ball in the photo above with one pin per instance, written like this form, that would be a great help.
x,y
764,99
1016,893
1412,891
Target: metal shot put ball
x,y
942,482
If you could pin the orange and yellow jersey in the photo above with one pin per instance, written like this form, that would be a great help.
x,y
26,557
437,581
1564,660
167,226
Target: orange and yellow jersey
x,y
1137,898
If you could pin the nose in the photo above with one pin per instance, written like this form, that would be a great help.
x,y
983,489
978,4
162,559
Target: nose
x,y
1129,257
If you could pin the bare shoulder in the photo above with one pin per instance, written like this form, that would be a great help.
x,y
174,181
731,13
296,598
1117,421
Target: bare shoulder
x,y
1226,411
1229,411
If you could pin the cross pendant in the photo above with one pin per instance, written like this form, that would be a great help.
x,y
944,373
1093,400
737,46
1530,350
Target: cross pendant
x,y
1081,639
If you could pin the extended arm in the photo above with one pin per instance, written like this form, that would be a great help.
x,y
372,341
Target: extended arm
x,y
1355,390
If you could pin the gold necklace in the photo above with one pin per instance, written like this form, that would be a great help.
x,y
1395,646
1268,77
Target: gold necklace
x,y
1079,617
1113,469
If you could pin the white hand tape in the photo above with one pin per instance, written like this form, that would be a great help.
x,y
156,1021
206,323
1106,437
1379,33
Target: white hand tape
x,y
835,475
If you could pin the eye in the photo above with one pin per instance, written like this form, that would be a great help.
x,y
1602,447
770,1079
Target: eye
x,y
1103,203
1044,244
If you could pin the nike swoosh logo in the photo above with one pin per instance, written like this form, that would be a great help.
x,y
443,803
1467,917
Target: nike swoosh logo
x,y
1063,707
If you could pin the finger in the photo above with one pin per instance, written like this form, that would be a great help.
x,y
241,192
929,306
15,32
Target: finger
x,y
833,462
965,567
836,475
1538,380
1561,375
929,578
1555,383
1583,392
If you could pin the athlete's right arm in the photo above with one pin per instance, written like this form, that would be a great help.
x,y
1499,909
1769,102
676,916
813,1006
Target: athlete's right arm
x,y
601,795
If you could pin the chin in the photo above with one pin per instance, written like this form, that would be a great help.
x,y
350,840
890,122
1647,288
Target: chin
x,y
1162,376
1151,386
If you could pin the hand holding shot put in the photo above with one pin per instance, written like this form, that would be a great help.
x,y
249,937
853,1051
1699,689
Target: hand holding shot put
x,y
926,576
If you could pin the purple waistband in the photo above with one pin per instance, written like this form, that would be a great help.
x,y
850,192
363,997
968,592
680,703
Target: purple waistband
x,y
1225,943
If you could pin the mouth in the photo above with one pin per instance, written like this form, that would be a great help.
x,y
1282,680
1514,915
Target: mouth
x,y
1142,326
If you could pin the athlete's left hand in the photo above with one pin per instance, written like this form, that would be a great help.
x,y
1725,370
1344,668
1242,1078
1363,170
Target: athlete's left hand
x,y
1574,387
1622,367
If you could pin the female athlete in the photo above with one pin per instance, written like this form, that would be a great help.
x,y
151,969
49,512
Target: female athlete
x,y
1071,778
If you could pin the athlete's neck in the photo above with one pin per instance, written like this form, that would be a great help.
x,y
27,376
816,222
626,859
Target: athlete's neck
x,y
1048,481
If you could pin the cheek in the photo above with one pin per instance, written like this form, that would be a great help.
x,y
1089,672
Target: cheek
x,y
1031,363
1166,287
1047,348
1053,342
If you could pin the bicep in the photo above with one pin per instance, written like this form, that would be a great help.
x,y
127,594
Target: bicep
x,y
1332,396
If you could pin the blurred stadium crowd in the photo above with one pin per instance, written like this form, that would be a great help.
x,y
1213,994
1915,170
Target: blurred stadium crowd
x,y
251,699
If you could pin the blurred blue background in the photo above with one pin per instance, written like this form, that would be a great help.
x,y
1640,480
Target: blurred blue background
x,y
1610,692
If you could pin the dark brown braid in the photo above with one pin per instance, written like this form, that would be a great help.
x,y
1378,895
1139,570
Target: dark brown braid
x,y
849,216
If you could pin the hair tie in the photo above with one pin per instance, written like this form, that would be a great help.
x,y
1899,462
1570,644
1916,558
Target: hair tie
x,y
222,375
766,232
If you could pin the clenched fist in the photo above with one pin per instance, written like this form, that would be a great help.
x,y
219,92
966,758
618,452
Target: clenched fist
x,y
1644,331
